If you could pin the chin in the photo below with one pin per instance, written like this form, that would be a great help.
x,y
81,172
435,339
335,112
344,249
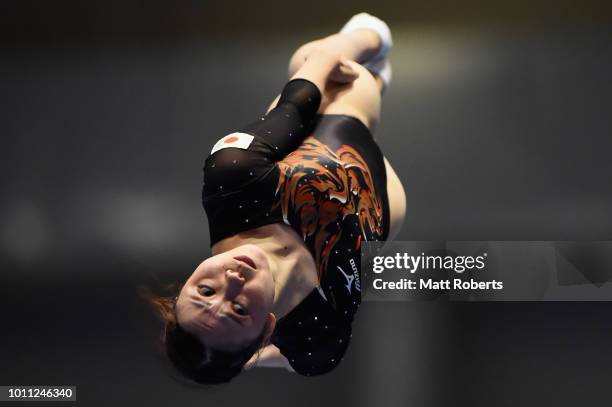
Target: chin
x,y
256,254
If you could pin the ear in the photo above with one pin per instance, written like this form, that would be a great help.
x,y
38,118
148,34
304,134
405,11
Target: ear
x,y
269,328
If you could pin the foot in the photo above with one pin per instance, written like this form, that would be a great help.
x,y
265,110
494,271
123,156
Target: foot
x,y
378,63
369,22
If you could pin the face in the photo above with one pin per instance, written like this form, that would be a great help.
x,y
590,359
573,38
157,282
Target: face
x,y
227,300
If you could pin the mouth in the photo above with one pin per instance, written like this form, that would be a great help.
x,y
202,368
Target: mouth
x,y
247,260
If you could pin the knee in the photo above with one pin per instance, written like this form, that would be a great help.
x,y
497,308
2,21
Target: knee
x,y
299,56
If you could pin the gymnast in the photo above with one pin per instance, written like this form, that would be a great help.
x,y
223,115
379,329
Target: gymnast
x,y
290,198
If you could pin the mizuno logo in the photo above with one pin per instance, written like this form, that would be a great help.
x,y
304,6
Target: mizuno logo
x,y
349,279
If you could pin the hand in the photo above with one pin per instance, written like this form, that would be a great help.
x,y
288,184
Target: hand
x,y
252,363
339,68
343,72
269,356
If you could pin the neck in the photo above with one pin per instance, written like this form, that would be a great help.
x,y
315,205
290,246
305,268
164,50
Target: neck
x,y
292,266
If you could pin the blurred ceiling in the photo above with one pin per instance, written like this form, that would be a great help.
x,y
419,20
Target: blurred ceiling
x,y
44,22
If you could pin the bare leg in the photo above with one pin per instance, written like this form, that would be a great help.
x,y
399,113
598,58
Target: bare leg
x,y
397,201
361,98
357,46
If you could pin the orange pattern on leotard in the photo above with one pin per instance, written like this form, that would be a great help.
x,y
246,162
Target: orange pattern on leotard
x,y
319,187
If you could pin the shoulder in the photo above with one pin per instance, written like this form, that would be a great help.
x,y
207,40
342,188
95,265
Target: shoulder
x,y
313,338
237,160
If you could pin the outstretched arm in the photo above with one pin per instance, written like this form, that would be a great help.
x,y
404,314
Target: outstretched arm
x,y
322,67
285,124
248,154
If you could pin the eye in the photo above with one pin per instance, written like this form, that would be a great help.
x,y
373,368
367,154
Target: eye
x,y
239,309
206,291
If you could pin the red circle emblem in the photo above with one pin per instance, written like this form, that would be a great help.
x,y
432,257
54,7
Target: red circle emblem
x,y
230,139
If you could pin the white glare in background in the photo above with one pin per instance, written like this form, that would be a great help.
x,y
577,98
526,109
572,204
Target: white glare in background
x,y
147,222
425,57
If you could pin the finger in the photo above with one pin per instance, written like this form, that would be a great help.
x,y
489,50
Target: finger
x,y
349,72
347,67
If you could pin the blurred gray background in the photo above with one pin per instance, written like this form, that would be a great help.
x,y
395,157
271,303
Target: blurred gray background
x,y
497,121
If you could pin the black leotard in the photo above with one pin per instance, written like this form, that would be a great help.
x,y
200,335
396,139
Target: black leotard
x,y
325,177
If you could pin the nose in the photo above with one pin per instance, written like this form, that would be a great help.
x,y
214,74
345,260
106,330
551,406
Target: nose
x,y
235,281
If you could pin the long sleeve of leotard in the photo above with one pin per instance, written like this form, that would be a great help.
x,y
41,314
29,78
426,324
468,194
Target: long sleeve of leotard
x,y
284,127
241,157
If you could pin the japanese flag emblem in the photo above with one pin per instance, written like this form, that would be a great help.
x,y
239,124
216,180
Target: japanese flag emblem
x,y
235,140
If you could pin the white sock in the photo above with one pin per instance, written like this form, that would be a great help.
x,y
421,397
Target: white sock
x,y
365,20
379,63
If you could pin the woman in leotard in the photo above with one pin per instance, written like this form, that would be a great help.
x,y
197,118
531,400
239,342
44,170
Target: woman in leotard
x,y
290,198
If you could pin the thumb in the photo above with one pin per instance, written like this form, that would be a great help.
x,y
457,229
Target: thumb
x,y
347,66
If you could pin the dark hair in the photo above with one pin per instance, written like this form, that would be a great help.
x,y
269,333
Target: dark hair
x,y
188,354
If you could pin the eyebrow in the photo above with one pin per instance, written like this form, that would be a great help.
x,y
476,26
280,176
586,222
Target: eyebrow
x,y
198,303
231,316
236,319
